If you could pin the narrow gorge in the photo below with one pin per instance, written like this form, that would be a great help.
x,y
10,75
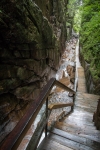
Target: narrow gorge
x,y
40,40
32,41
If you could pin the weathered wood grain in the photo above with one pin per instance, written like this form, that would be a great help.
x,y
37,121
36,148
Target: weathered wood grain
x,y
82,140
59,105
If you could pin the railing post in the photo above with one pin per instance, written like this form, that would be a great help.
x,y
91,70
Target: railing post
x,y
46,128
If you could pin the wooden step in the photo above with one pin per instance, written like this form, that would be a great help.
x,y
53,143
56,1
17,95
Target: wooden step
x,y
91,97
81,81
50,144
86,130
81,115
79,125
68,143
91,106
77,131
87,109
82,140
56,142
87,98
86,102
79,121
59,105
90,134
82,111
85,116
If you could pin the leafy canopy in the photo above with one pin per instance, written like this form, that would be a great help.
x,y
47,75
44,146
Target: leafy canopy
x,y
90,34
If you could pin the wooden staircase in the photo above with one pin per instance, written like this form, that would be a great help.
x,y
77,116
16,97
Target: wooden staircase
x,y
76,131
73,131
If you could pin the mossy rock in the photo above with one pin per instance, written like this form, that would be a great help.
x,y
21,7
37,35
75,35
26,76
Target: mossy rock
x,y
9,84
5,53
47,33
24,74
8,71
27,92
9,99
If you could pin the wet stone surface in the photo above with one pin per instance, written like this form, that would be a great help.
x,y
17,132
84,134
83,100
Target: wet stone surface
x,y
65,74
59,97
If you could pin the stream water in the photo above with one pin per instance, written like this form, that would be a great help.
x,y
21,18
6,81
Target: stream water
x,y
65,74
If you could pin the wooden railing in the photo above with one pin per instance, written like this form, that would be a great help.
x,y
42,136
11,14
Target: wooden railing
x,y
59,105
15,137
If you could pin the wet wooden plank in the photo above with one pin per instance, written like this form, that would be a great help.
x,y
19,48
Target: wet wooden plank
x,y
78,118
69,143
81,110
81,81
91,134
79,124
87,99
77,128
59,105
86,103
84,108
91,106
79,121
64,87
82,140
82,115
49,144
87,109
91,96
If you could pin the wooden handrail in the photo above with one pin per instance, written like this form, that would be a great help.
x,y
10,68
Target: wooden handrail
x,y
64,87
59,105
38,132
14,138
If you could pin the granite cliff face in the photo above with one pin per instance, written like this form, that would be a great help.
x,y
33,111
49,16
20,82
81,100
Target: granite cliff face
x,y
32,40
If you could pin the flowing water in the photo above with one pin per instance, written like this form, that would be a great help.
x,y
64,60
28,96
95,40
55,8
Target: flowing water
x,y
64,74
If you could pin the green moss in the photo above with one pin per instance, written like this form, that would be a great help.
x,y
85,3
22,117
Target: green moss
x,y
24,74
25,91
8,84
46,33
94,74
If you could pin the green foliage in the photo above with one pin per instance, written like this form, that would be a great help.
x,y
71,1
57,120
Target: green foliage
x,y
74,13
90,35
77,21
73,6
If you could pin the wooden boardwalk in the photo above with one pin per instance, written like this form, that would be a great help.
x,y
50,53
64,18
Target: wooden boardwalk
x,y
76,131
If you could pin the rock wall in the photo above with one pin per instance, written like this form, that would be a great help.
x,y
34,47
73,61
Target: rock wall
x,y
93,85
96,116
32,40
